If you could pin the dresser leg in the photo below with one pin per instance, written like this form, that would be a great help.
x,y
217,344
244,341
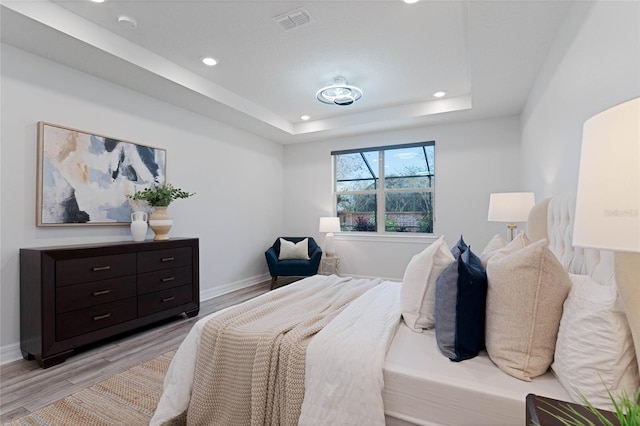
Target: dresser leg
x,y
27,356
191,314
55,359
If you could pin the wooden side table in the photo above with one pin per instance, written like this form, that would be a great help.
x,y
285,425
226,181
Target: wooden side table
x,y
539,407
329,265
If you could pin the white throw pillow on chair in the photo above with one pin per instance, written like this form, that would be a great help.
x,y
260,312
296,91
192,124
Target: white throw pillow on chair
x,y
291,250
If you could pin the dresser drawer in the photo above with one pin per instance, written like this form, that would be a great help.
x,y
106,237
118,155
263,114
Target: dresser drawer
x,y
164,279
72,297
75,323
164,259
97,268
159,301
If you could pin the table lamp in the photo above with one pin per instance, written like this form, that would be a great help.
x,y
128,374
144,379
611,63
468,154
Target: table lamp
x,y
510,207
608,199
329,225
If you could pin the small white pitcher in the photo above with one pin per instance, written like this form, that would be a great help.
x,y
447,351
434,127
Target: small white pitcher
x,y
139,226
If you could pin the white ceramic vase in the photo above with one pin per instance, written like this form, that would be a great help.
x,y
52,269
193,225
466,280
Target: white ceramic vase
x,y
139,226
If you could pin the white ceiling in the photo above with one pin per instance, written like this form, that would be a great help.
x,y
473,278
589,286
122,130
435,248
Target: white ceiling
x,y
484,54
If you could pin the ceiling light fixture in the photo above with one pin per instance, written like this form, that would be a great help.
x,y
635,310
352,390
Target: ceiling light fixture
x,y
127,21
439,94
410,1
304,117
209,61
98,1
338,92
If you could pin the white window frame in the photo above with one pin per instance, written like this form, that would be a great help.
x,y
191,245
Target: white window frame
x,y
381,191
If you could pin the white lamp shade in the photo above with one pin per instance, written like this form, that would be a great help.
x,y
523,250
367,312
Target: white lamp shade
x,y
329,224
608,199
510,206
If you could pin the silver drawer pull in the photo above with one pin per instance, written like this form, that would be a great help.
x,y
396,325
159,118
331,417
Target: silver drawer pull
x,y
101,268
101,317
168,259
101,292
168,299
164,280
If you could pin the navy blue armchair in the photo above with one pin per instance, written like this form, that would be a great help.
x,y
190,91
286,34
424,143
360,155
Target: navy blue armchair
x,y
293,267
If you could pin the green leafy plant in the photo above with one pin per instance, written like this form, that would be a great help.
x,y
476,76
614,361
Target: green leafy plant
x,y
160,195
363,223
626,411
426,223
391,225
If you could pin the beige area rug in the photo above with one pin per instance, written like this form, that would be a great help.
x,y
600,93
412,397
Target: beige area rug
x,y
128,398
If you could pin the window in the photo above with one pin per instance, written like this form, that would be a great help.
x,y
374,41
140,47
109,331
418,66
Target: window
x,y
391,182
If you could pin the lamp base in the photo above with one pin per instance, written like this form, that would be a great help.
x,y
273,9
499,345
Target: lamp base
x,y
329,247
512,230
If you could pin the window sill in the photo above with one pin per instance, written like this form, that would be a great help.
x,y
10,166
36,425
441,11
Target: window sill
x,y
371,237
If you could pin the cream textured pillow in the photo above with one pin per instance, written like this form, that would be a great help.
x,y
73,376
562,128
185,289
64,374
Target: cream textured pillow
x,y
496,243
526,290
594,351
519,241
418,292
291,250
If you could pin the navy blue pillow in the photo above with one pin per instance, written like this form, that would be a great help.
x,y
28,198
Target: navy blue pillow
x,y
459,247
461,297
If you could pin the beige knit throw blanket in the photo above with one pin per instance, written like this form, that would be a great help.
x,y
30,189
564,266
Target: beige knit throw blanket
x,y
251,361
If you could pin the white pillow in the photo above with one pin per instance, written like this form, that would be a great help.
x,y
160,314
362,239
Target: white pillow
x,y
418,292
496,243
291,250
595,347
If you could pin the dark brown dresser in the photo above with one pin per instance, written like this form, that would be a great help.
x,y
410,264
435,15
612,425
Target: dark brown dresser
x,y
71,296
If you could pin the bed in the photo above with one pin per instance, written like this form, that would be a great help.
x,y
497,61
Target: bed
x,y
355,361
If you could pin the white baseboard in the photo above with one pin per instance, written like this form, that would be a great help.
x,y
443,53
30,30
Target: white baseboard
x,y
237,285
11,352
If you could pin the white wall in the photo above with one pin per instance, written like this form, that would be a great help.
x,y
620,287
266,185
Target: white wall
x,y
472,160
594,64
237,177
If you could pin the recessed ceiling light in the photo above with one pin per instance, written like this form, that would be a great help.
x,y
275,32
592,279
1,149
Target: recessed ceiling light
x,y
410,1
127,21
304,117
439,94
209,61
98,1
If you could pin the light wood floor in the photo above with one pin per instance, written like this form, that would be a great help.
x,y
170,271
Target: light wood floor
x,y
25,387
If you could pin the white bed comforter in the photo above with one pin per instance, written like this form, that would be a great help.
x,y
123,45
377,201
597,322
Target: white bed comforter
x,y
344,361
343,377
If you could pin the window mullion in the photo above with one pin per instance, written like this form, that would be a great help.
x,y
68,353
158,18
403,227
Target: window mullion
x,y
407,190
381,198
363,192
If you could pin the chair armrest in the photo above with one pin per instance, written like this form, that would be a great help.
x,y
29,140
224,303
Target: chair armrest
x,y
316,256
272,257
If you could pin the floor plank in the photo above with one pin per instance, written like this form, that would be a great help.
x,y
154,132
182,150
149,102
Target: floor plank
x,y
25,387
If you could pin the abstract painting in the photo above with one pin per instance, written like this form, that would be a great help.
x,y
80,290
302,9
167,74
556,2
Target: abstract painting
x,y
84,178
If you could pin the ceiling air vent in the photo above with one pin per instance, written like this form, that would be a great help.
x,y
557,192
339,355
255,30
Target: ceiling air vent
x,y
293,19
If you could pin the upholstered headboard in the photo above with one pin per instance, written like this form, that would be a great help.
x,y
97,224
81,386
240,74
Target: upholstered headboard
x,y
552,218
